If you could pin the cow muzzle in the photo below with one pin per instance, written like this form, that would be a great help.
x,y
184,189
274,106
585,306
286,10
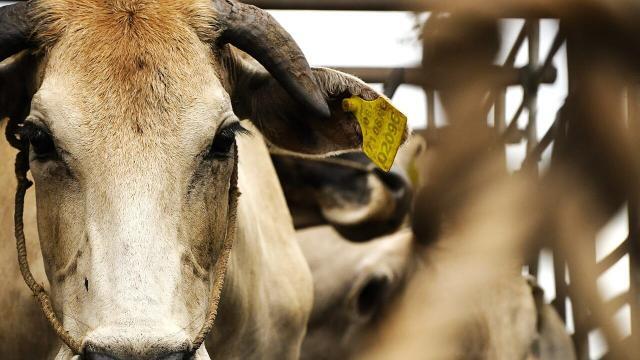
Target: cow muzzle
x,y
98,356
136,343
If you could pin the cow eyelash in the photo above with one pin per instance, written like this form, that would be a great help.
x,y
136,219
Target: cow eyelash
x,y
40,139
234,130
224,140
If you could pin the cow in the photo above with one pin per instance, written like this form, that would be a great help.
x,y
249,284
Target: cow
x,y
354,284
135,118
362,262
358,284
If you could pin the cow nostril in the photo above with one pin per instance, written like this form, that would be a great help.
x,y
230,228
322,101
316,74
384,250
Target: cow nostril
x,y
97,356
176,356
100,356
371,296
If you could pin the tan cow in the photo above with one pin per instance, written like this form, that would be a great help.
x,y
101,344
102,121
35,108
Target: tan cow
x,y
356,284
129,111
359,280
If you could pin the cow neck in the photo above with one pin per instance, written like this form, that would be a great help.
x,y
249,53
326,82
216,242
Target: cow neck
x,y
44,300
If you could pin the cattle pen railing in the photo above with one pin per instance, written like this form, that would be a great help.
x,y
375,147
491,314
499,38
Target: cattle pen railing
x,y
597,34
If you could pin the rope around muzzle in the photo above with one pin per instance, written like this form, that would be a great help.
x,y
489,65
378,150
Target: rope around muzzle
x,y
21,169
220,269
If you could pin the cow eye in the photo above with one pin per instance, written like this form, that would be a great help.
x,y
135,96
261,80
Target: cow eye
x,y
224,141
221,146
40,140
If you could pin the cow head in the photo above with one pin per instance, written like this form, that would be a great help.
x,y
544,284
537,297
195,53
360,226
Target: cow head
x,y
129,110
349,192
354,286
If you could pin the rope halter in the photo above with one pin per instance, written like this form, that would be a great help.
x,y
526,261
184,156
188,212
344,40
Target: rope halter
x,y
44,300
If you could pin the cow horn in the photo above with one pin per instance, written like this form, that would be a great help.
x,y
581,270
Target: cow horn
x,y
257,33
15,29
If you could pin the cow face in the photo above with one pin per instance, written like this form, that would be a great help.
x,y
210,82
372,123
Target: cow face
x,y
130,111
132,152
353,285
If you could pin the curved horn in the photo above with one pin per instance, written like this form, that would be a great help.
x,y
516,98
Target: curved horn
x,y
15,29
257,33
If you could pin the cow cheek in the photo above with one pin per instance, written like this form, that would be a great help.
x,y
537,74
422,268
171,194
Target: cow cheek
x,y
60,219
205,216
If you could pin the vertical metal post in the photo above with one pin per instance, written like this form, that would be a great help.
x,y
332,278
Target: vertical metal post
x,y
559,274
499,111
634,264
581,316
633,98
431,109
533,33
501,94
432,128
531,94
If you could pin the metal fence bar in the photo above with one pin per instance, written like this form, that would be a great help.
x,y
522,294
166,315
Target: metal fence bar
x,y
500,103
531,90
499,111
533,35
431,112
617,254
535,155
581,318
508,74
632,244
393,82
342,5
499,8
380,75
512,133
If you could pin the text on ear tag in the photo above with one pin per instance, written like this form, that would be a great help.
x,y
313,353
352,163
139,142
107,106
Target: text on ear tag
x,y
383,128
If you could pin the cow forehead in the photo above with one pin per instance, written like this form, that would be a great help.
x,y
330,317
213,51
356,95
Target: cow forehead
x,y
128,69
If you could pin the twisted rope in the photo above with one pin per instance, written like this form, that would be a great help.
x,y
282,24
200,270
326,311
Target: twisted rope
x,y
354,165
21,169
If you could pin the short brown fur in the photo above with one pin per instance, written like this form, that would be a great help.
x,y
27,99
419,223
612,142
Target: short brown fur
x,y
135,56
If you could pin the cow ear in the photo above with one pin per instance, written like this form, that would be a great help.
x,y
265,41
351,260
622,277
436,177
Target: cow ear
x,y
17,85
286,125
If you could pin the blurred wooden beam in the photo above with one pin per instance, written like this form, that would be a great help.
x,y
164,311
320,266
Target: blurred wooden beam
x,y
493,8
542,8
344,5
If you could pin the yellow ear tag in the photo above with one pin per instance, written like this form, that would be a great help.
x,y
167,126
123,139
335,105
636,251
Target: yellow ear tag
x,y
383,128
